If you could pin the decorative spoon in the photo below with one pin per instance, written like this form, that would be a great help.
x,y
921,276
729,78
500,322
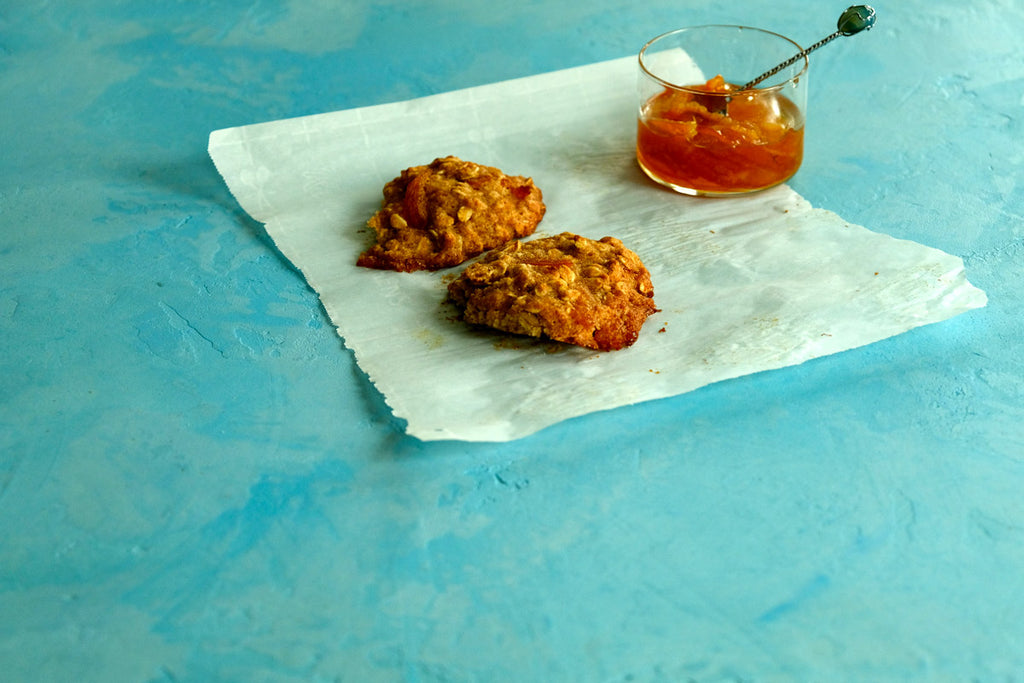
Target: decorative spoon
x,y
854,20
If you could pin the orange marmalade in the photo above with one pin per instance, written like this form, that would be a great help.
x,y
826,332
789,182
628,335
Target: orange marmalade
x,y
714,144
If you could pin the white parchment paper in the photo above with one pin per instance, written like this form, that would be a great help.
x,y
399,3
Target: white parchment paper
x,y
744,284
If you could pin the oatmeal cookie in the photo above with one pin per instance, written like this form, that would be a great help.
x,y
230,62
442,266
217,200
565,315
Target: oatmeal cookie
x,y
595,294
447,212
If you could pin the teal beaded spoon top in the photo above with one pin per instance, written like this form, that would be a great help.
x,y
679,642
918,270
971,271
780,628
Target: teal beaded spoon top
x,y
854,20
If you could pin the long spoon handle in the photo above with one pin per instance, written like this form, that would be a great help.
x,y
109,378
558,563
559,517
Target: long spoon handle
x,y
854,20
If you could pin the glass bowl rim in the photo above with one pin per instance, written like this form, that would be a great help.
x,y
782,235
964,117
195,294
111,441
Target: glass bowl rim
x,y
690,88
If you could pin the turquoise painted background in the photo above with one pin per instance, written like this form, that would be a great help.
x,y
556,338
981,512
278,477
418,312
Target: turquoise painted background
x,y
197,483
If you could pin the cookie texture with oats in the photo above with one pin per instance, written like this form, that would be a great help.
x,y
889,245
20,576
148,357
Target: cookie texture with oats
x,y
442,214
591,293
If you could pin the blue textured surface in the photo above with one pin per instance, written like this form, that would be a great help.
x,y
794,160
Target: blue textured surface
x,y
197,483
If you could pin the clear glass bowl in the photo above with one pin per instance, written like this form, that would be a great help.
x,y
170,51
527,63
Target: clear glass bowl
x,y
698,133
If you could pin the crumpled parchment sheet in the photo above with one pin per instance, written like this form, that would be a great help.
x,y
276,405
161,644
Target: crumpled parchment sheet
x,y
744,284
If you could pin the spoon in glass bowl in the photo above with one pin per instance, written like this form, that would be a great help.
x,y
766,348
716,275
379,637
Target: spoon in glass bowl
x,y
854,20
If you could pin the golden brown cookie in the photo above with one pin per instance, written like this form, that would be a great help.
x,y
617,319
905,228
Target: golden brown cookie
x,y
595,294
442,214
